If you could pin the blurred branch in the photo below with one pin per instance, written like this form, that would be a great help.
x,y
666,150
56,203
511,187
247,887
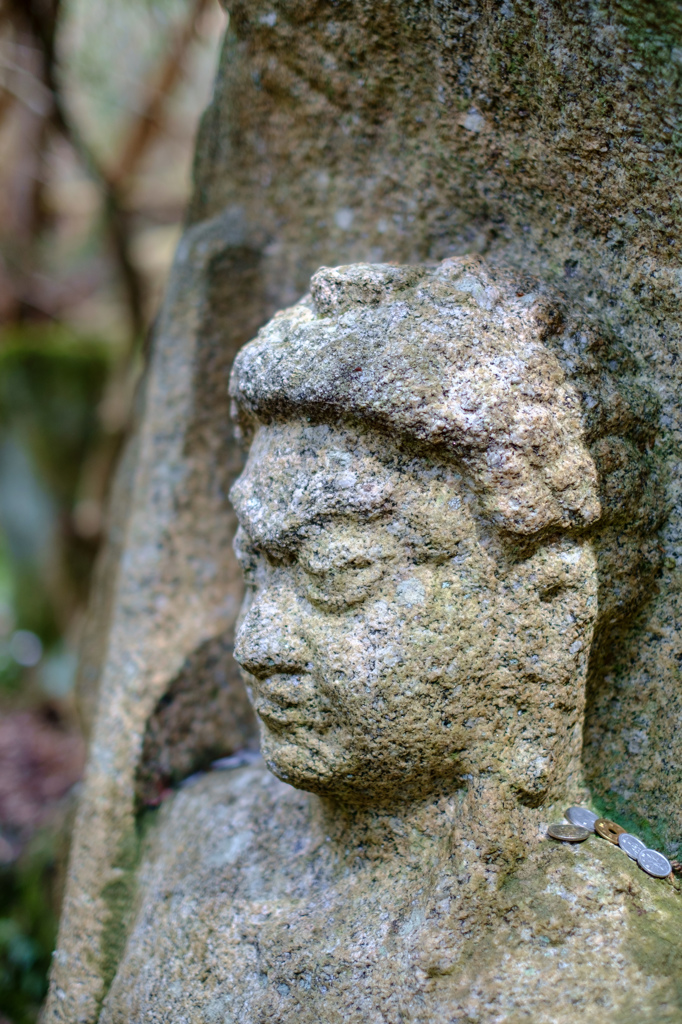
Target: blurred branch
x,y
41,18
150,120
35,24
7,99
33,93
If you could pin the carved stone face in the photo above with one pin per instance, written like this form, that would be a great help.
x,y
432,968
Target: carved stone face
x,y
391,642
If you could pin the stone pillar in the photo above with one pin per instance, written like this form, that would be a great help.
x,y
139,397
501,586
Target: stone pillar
x,y
544,136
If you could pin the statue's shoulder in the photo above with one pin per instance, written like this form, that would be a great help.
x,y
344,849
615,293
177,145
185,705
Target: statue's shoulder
x,y
224,829
243,914
220,857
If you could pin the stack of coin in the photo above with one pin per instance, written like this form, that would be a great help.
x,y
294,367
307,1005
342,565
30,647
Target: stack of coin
x,y
582,822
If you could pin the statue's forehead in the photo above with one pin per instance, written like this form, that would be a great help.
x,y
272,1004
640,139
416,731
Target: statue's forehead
x,y
299,473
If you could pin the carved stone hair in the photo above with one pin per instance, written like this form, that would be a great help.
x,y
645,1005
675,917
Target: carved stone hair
x,y
538,403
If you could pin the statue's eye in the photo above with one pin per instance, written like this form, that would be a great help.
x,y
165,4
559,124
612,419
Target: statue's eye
x,y
342,564
337,587
331,563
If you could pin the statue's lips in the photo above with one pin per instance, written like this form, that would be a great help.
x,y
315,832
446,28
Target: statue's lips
x,y
273,716
283,700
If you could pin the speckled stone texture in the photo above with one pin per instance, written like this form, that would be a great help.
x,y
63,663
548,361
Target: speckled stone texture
x,y
467,494
544,136
439,461
232,928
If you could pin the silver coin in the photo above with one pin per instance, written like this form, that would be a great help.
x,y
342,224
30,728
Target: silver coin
x,y
654,863
567,833
582,817
631,845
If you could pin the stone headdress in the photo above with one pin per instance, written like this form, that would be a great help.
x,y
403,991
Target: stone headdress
x,y
537,403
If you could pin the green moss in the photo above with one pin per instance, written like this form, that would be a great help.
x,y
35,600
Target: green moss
x,y
654,943
618,809
28,927
118,896
653,27
51,383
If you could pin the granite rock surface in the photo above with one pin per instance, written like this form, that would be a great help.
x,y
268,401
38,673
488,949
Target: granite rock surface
x,y
228,929
543,136
423,519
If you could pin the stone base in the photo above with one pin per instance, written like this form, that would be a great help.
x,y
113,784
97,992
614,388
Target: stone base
x,y
248,913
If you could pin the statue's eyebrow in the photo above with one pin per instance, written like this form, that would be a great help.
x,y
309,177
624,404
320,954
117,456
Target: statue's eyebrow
x,y
278,528
271,551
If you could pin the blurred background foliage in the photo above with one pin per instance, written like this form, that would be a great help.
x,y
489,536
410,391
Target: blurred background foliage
x,y
99,103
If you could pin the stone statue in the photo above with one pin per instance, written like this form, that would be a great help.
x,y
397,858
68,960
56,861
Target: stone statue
x,y
450,501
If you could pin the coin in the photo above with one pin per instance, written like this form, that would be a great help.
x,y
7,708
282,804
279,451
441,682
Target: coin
x,y
608,830
631,844
654,863
581,816
567,833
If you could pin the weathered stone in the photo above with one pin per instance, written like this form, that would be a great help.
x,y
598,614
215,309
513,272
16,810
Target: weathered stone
x,y
545,136
393,924
168,608
422,520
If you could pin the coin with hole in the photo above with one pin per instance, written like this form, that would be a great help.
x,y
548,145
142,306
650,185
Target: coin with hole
x,y
582,817
631,845
567,833
654,863
608,829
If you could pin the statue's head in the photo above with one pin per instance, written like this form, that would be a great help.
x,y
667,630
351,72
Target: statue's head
x,y
448,497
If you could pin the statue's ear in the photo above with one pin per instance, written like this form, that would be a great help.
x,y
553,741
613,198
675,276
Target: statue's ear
x,y
556,605
551,602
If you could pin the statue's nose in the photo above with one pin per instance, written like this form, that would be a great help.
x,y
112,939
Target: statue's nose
x,y
269,637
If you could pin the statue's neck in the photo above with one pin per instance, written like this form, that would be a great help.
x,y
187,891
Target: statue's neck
x,y
483,822
418,831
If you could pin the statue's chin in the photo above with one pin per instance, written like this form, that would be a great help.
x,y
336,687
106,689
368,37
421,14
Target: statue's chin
x,y
308,762
305,764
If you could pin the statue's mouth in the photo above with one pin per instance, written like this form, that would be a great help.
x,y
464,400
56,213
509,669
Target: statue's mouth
x,y
286,701
276,718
